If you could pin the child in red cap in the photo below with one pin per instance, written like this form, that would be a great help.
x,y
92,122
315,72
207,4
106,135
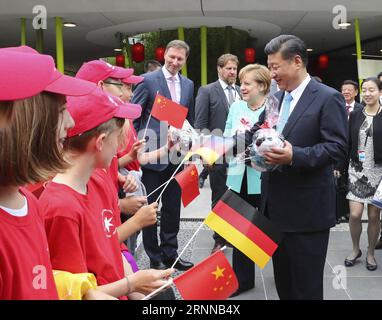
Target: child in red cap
x,y
108,78
33,126
80,205
117,81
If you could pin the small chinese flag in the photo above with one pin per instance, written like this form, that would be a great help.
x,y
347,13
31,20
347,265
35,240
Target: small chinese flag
x,y
188,181
211,279
167,110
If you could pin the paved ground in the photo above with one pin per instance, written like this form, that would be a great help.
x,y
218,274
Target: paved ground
x,y
340,283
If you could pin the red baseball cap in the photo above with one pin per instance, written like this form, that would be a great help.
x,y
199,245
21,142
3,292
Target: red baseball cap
x,y
98,70
133,79
98,107
25,73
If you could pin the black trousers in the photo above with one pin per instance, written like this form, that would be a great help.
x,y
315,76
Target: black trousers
x,y
218,177
342,204
298,265
169,215
243,266
204,174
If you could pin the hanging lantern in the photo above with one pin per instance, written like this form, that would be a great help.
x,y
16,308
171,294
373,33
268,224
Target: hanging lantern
x,y
249,55
159,54
120,60
138,52
323,61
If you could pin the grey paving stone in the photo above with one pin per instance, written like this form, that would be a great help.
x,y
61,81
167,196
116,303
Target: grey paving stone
x,y
204,240
365,288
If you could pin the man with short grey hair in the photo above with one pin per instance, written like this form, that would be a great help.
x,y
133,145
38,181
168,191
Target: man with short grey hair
x,y
211,110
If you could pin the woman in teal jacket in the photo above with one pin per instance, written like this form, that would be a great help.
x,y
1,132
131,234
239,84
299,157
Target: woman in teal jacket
x,y
255,82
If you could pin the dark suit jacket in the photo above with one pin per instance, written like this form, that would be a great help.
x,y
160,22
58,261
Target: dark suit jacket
x,y
343,166
356,119
211,107
301,197
357,106
144,94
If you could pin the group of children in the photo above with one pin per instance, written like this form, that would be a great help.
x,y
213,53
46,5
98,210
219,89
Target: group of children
x,y
67,131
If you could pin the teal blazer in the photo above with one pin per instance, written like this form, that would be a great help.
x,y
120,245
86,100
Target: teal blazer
x,y
240,117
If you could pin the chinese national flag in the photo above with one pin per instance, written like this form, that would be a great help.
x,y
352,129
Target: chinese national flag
x,y
167,110
211,279
188,181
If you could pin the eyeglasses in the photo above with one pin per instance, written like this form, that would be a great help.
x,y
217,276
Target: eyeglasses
x,y
118,84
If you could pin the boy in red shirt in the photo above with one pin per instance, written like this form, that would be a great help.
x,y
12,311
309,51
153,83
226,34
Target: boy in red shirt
x,y
109,78
79,206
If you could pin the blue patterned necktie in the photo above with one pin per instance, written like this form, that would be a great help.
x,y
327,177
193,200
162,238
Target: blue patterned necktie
x,y
285,112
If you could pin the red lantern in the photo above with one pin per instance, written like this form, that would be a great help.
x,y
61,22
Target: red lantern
x,y
159,54
120,60
138,52
323,61
249,55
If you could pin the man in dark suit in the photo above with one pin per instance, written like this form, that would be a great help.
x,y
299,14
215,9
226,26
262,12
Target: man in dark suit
x,y
349,90
211,111
169,83
299,196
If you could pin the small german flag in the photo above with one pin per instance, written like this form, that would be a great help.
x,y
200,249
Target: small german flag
x,y
212,149
244,227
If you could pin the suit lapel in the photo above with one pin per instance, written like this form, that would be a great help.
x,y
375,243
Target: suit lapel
x,y
220,93
238,91
163,87
183,91
303,104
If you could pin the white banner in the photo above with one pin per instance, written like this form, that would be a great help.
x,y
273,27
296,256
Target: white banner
x,y
368,68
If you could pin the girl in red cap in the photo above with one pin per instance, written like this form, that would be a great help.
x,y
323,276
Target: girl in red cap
x,y
32,107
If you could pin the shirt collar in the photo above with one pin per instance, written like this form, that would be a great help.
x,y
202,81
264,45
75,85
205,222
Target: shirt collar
x,y
297,93
224,84
168,75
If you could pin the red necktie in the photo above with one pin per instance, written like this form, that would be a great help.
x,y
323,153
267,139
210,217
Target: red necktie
x,y
348,109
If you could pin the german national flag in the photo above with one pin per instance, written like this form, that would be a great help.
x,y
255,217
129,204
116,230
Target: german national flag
x,y
244,227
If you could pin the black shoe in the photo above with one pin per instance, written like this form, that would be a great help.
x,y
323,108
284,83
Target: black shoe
x,y
159,265
371,267
378,245
351,262
180,264
201,182
240,290
342,220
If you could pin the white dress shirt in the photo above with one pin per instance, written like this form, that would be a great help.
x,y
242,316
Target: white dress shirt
x,y
351,106
296,94
224,85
